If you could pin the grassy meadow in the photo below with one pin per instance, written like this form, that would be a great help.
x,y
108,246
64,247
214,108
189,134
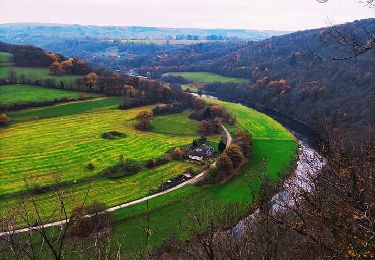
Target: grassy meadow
x,y
63,146
18,93
205,77
273,146
33,73
65,109
175,124
5,58
45,144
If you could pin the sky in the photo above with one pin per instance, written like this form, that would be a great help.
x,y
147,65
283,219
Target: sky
x,y
284,15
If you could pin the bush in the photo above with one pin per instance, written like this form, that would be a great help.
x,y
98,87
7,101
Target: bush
x,y
4,120
166,159
81,227
113,135
245,141
122,169
90,166
234,152
144,120
177,153
224,164
151,163
221,146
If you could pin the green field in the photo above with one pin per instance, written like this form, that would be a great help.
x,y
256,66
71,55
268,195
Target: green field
x,y
273,145
32,73
175,124
191,87
5,58
63,146
35,73
169,214
65,109
27,93
205,77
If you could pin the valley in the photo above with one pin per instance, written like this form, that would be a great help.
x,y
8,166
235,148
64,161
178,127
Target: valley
x,y
54,145
137,142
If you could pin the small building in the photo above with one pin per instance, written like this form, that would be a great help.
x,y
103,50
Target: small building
x,y
203,151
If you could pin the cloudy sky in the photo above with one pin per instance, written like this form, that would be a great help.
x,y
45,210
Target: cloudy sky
x,y
248,14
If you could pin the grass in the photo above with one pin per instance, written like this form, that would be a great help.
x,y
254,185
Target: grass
x,y
258,124
121,190
35,73
169,214
27,93
273,145
63,146
191,87
175,124
64,109
5,58
205,77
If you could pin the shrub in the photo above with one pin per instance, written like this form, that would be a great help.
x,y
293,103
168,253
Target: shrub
x,y
234,152
90,166
4,120
221,146
151,163
100,223
224,164
144,119
177,153
166,159
122,169
245,141
113,135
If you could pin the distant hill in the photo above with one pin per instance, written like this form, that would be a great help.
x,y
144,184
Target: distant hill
x,y
39,34
287,76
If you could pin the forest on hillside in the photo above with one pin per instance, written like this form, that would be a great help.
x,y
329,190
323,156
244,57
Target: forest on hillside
x,y
299,74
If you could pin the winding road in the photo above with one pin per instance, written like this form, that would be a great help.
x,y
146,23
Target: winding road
x,y
125,205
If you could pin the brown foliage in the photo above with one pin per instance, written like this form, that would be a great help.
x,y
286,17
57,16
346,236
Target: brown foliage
x,y
234,152
4,119
144,119
177,154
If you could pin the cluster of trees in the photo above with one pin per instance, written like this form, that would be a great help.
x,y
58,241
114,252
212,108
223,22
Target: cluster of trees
x,y
144,119
122,168
210,127
206,111
175,107
231,158
31,56
69,66
295,75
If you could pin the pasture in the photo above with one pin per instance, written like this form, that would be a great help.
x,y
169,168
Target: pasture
x,y
97,189
65,109
35,73
18,93
273,154
5,58
205,77
32,73
63,146
175,124
56,143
